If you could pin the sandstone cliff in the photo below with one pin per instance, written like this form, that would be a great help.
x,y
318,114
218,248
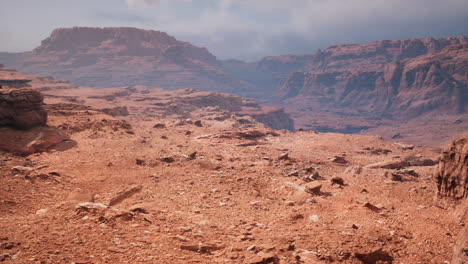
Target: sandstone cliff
x,y
344,94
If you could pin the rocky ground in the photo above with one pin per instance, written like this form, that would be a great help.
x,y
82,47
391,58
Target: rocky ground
x,y
146,188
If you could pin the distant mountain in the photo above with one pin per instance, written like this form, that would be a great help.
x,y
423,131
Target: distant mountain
x,y
111,57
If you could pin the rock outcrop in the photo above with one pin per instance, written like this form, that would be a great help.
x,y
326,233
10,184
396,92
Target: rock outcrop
x,y
452,186
21,108
115,57
23,118
452,172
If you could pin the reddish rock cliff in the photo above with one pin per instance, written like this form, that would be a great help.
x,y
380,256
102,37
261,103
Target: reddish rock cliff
x,y
433,83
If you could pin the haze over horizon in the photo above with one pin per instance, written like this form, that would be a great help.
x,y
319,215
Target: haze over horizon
x,y
243,29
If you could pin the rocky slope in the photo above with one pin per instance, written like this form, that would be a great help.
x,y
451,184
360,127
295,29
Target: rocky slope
x,y
110,57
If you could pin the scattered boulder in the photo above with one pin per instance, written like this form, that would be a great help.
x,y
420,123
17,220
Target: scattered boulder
x,y
143,207
121,196
313,187
21,170
390,164
284,156
405,146
339,160
116,111
198,123
372,207
264,258
201,248
377,256
80,196
338,181
167,159
140,162
417,161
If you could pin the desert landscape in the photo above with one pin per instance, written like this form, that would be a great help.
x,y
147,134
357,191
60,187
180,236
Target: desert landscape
x,y
122,144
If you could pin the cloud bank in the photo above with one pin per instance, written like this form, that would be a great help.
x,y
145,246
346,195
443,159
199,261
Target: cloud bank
x,y
249,29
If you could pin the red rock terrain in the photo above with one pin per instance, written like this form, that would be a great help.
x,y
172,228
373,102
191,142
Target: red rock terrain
x,y
182,177
386,88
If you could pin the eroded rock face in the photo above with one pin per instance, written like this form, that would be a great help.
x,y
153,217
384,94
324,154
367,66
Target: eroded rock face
x,y
402,89
452,186
22,108
452,172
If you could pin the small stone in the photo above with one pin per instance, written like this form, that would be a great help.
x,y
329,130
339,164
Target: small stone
x,y
314,218
372,207
251,248
284,156
167,159
337,180
313,187
42,211
125,195
339,160
21,169
80,196
140,162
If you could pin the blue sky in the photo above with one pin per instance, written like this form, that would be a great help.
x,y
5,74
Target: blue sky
x,y
242,29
